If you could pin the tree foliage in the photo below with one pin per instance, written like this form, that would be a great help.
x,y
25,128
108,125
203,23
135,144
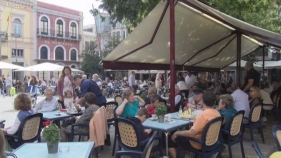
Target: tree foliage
x,y
262,13
111,44
90,59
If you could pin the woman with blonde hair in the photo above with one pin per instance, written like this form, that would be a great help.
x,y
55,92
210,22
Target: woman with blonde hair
x,y
255,96
130,105
158,83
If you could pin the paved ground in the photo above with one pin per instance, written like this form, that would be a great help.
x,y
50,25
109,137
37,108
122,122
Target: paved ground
x,y
8,113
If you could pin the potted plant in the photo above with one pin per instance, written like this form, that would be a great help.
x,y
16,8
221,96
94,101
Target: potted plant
x,y
160,111
51,134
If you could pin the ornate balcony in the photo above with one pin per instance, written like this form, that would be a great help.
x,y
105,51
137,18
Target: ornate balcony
x,y
58,34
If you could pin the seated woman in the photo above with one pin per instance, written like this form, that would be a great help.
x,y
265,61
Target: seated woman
x,y
130,105
90,99
22,103
196,130
226,109
255,96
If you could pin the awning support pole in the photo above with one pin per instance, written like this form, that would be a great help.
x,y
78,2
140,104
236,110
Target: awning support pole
x,y
263,61
172,55
238,68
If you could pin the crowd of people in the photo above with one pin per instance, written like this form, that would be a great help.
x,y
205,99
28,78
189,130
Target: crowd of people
x,y
191,93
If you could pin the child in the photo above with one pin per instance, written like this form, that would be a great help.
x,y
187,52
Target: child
x,y
68,99
154,101
140,117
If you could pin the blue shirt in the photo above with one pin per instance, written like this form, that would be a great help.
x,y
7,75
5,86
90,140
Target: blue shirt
x,y
227,114
88,85
130,110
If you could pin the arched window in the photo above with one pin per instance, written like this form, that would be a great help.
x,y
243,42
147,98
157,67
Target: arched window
x,y
73,30
44,25
59,28
17,26
59,53
44,53
73,55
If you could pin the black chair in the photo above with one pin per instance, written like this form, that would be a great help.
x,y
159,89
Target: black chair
x,y
276,132
234,132
10,154
142,154
257,149
29,131
115,132
72,134
110,114
254,121
210,140
129,137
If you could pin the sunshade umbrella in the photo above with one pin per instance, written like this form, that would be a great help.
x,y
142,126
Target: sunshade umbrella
x,y
275,65
4,65
45,67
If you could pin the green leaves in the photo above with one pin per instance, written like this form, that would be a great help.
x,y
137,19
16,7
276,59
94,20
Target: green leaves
x,y
161,110
51,133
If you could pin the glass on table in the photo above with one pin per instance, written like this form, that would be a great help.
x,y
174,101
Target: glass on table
x,y
63,148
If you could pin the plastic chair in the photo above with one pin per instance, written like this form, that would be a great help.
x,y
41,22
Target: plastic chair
x,y
115,132
110,106
276,132
118,99
129,137
234,132
210,140
257,149
142,154
254,121
29,131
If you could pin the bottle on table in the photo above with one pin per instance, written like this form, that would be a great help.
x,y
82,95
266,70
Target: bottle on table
x,y
180,110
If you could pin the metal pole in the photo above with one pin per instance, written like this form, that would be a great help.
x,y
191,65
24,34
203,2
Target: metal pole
x,y
238,68
172,54
263,58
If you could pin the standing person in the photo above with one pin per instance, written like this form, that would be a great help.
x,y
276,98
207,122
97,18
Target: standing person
x,y
88,85
158,83
252,78
190,79
182,86
132,81
2,88
97,80
8,85
65,83
202,82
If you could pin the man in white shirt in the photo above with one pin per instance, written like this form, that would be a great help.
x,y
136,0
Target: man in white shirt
x,y
48,104
97,80
241,101
190,79
132,80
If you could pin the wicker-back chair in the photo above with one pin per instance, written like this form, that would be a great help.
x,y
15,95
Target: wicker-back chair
x,y
110,106
233,134
142,154
210,140
129,137
276,132
29,131
118,99
254,121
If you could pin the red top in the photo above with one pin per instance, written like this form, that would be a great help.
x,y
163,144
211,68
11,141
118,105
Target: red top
x,y
151,110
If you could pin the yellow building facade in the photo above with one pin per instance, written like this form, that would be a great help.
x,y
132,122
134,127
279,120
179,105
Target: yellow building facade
x,y
17,20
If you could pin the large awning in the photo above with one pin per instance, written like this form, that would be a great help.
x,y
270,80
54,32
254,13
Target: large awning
x,y
204,37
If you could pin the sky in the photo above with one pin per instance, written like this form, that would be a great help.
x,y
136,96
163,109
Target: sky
x,y
80,5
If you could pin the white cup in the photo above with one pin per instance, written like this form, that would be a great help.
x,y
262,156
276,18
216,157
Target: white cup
x,y
153,116
169,117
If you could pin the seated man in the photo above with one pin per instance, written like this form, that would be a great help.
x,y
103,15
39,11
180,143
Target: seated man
x,y
48,104
196,130
140,117
195,102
